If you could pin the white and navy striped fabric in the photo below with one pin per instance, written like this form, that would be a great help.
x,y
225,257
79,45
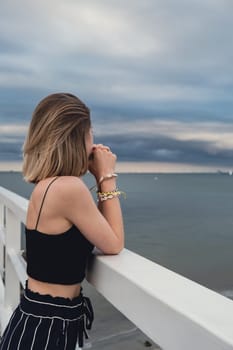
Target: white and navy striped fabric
x,y
48,323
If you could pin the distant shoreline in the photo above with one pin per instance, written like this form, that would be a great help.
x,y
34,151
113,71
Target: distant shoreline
x,y
140,167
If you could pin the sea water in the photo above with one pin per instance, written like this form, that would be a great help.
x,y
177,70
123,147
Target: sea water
x,y
182,221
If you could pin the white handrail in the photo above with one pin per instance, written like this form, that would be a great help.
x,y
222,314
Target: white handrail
x,y
175,312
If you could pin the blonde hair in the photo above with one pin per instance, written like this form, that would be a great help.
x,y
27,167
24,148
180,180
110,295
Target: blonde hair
x,y
55,144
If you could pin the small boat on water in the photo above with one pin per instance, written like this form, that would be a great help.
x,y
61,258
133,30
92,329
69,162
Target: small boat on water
x,y
229,172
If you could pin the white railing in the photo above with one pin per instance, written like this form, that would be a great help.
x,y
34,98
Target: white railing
x,y
175,312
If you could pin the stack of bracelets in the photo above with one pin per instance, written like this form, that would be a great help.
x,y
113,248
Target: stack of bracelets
x,y
103,196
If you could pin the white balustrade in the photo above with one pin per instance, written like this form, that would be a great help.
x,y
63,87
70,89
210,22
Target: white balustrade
x,y
175,312
2,240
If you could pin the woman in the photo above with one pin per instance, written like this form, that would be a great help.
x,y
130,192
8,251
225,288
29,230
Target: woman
x,y
63,225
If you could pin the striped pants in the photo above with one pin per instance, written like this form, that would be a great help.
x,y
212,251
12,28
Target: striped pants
x,y
43,322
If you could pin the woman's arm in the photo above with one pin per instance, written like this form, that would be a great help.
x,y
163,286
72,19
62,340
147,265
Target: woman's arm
x,y
111,209
103,227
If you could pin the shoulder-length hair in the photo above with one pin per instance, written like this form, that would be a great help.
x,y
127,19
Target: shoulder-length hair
x,y
55,144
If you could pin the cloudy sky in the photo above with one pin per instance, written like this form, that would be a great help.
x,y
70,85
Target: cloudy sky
x,y
157,74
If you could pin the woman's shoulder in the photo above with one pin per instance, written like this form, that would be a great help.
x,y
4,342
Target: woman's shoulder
x,y
67,186
59,187
68,181
71,192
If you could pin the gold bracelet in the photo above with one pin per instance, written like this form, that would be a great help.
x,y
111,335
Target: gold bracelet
x,y
102,179
103,196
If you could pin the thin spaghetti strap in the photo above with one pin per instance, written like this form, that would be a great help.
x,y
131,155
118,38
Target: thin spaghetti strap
x,y
42,202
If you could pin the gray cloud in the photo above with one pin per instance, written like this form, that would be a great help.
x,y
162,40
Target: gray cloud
x,y
129,61
10,151
167,150
164,141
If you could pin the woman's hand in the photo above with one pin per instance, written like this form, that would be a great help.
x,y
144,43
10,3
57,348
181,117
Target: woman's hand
x,y
102,161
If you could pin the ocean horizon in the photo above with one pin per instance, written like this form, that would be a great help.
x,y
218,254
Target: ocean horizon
x,y
142,167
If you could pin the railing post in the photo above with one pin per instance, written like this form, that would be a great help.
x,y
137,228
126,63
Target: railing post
x,y
13,243
2,246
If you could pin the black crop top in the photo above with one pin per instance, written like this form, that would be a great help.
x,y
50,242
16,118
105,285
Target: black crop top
x,y
59,258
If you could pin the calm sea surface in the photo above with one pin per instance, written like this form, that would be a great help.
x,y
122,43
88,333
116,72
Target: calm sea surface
x,y
181,221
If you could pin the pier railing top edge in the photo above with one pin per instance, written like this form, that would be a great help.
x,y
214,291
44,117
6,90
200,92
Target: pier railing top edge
x,y
16,203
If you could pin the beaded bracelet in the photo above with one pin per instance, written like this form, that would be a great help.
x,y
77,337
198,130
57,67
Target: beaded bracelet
x,y
103,196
